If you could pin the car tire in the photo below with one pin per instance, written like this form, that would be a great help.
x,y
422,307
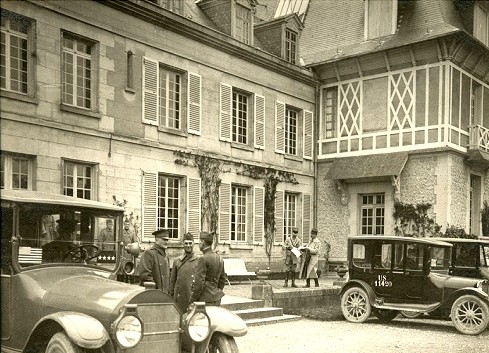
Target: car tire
x,y
410,314
470,315
385,315
60,343
355,305
221,343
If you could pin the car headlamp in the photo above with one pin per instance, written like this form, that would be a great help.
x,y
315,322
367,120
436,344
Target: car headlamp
x,y
129,331
197,321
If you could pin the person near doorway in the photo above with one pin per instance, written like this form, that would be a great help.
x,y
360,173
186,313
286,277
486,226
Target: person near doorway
x,y
292,253
309,266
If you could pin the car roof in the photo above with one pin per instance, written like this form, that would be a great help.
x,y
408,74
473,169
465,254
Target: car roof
x,y
36,197
481,240
428,241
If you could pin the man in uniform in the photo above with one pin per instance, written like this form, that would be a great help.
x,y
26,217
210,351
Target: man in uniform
x,y
311,258
210,277
290,257
106,236
57,250
182,274
155,263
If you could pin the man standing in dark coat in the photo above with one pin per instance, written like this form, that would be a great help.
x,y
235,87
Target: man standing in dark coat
x,y
155,264
182,274
210,277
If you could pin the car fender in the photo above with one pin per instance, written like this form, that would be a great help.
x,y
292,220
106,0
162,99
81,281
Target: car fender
x,y
463,291
364,285
85,331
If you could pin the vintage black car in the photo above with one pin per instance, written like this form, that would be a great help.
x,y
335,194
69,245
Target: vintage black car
x,y
388,274
60,294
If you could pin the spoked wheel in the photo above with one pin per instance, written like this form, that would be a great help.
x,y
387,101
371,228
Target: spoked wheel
x,y
470,314
385,315
355,305
60,343
410,314
220,343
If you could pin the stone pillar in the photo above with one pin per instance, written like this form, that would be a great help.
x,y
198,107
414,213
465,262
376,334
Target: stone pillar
x,y
263,291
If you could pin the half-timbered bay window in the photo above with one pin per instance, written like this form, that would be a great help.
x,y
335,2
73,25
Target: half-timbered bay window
x,y
372,214
77,72
79,180
165,90
15,63
242,117
293,127
330,104
16,172
239,213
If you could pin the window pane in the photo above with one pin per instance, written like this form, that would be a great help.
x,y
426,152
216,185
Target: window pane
x,y
291,132
169,204
240,118
238,213
77,73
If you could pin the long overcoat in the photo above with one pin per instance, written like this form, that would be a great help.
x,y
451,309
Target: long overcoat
x,y
314,248
210,278
182,278
154,266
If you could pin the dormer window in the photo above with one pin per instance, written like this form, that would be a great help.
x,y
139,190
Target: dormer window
x,y
290,46
380,18
243,24
481,23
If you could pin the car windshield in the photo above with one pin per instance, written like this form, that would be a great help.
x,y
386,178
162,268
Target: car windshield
x,y
55,234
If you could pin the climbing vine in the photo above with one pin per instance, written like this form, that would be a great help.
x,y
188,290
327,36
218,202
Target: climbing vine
x,y
414,221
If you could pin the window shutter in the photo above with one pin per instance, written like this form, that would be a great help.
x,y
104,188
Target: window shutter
x,y
150,91
279,216
224,212
193,206
258,214
308,136
226,101
259,122
149,213
279,127
194,103
306,218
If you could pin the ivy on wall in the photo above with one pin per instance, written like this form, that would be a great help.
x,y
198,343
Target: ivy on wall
x,y
414,221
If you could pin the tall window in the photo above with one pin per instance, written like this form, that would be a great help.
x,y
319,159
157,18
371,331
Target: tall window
x,y
170,96
330,99
169,204
290,45
372,214
291,131
78,180
238,213
481,23
14,52
290,214
16,172
77,72
243,24
240,118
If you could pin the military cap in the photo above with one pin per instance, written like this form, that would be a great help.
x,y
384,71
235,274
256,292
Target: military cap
x,y
314,231
67,222
162,233
188,236
206,236
295,230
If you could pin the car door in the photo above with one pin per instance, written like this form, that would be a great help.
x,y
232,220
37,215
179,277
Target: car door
x,y
382,279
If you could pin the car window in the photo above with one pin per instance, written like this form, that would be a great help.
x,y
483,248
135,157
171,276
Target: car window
x,y
466,255
382,255
414,257
440,259
361,256
398,256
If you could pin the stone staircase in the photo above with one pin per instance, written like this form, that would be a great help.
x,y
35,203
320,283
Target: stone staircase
x,y
254,312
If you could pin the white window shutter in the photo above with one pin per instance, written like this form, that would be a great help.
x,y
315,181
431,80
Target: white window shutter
x,y
308,134
150,91
149,204
279,127
194,103
259,121
258,214
226,105
306,217
193,206
279,216
224,212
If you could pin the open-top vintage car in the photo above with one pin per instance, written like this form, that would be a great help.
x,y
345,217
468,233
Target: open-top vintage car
x,y
388,274
59,292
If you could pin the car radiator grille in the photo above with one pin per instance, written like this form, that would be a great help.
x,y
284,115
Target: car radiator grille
x,y
161,329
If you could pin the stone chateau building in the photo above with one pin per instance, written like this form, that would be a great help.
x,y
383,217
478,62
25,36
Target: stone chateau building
x,y
251,117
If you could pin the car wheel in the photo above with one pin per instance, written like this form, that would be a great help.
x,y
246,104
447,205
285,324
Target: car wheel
x,y
60,343
355,305
470,314
221,343
385,315
410,314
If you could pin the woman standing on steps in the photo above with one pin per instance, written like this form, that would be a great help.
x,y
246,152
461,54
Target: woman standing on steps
x,y
291,258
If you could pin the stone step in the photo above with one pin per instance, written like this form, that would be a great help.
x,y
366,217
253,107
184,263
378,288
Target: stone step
x,y
236,303
272,320
259,313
